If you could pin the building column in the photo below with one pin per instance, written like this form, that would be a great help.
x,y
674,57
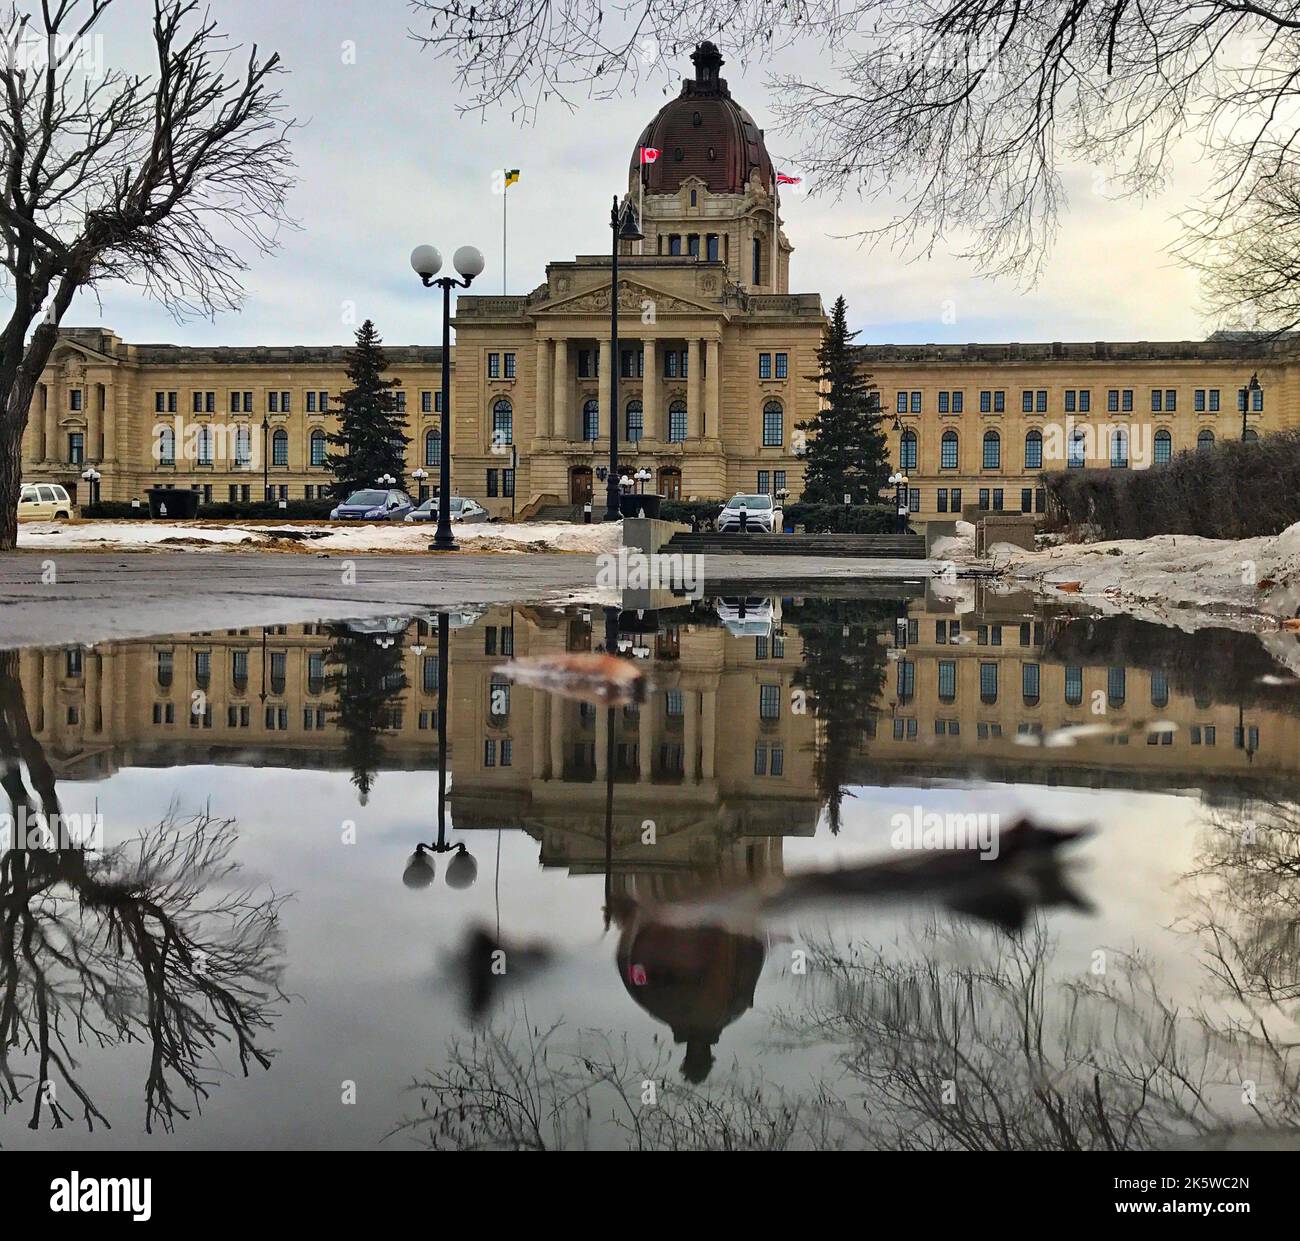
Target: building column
x,y
606,414
709,723
713,391
650,390
691,734
555,712
602,743
693,388
561,414
49,672
53,450
93,717
545,390
540,749
645,742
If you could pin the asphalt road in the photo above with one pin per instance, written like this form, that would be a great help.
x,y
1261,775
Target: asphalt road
x,y
96,596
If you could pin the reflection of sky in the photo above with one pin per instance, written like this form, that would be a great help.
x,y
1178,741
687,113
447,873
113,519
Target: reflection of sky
x,y
362,950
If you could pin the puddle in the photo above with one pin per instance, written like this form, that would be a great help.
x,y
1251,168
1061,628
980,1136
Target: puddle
x,y
343,881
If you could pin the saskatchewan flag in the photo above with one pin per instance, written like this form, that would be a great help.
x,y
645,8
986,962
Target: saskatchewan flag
x,y
512,175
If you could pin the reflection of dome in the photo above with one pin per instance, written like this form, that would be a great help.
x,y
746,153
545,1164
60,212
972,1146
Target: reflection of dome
x,y
704,133
695,979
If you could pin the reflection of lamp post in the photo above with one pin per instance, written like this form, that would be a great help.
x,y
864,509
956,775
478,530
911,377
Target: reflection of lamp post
x,y
623,226
427,262
462,870
1246,394
92,476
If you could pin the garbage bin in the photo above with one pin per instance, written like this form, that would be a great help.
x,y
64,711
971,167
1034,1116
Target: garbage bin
x,y
173,503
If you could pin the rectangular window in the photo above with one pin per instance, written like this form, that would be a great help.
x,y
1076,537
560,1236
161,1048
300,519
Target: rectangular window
x,y
1214,400
765,366
997,499
76,447
1085,400
943,402
1198,400
1040,401
986,402
763,484
1112,400
916,402
782,365
1026,499
1069,400
947,680
510,365
677,424
494,366
984,499
711,248
988,682
1126,401
1027,402
902,403
999,402
956,499
1029,683
769,702
1171,400
493,482
778,482
906,679
942,501
507,482
1073,685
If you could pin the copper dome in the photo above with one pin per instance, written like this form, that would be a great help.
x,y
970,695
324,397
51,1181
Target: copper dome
x,y
703,133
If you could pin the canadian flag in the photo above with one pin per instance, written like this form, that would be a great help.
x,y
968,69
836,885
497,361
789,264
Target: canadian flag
x,y
649,154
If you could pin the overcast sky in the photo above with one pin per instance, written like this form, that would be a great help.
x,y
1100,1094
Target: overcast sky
x,y
385,162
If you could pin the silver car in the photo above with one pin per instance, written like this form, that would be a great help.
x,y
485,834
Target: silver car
x,y
758,514
462,510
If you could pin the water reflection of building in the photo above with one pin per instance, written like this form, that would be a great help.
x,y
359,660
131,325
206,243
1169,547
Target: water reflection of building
x,y
717,756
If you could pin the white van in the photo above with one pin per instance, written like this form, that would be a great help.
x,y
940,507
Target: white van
x,y
43,502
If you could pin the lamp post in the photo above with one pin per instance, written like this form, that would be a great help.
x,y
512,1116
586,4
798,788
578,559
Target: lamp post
x,y
92,476
266,459
899,481
643,476
385,480
420,474
427,262
1246,394
623,226
462,870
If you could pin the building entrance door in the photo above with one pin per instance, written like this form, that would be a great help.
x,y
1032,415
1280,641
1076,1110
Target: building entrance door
x,y
580,485
670,483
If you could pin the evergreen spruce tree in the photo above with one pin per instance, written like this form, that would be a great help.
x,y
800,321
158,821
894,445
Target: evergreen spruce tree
x,y
846,452
372,432
366,679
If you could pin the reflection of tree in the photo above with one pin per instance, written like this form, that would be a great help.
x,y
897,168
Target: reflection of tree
x,y
844,672
365,675
123,947
957,1038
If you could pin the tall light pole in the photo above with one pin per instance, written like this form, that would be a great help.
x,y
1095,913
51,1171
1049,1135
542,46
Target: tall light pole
x,y
1251,387
266,460
427,262
623,226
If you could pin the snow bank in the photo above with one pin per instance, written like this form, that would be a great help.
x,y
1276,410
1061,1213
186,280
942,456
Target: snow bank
x,y
370,537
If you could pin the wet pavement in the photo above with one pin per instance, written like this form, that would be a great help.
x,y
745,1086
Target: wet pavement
x,y
868,869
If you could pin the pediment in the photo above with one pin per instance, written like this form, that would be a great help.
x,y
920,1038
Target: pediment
x,y
72,355
632,298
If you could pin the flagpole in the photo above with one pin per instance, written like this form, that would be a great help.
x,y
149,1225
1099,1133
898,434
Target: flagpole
x,y
776,208
505,195
640,201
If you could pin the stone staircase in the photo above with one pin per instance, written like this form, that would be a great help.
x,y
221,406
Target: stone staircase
x,y
862,546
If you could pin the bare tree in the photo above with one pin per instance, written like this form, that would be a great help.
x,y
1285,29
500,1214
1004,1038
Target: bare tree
x,y
157,181
965,115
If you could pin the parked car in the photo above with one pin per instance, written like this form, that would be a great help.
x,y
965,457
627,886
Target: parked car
x,y
374,504
751,513
462,510
43,502
749,616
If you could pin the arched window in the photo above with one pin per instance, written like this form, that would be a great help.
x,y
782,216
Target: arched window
x,y
1034,450
1119,449
243,445
503,423
907,451
433,448
1251,436
318,447
1205,440
992,451
280,447
635,422
166,446
591,419
773,431
948,447
1078,454
677,422
1164,446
